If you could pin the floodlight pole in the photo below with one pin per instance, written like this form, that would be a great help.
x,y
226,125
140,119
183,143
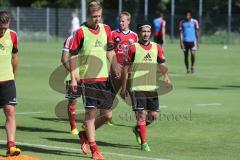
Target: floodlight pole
x,y
119,6
229,21
172,19
146,10
83,9
200,18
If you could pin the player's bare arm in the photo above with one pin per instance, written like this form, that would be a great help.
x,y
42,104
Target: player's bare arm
x,y
164,71
181,39
65,60
111,55
198,37
124,92
73,62
15,64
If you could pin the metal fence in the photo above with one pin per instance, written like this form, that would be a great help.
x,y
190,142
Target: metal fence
x,y
40,24
51,23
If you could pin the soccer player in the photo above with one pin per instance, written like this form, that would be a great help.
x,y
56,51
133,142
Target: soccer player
x,y
144,56
93,43
70,95
189,39
75,23
8,75
159,26
123,38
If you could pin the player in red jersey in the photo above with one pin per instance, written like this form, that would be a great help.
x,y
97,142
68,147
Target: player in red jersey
x,y
123,39
159,26
94,46
70,95
144,56
8,73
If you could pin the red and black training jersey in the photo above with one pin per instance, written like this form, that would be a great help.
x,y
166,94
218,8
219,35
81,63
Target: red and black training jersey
x,y
78,38
132,52
123,43
67,43
14,39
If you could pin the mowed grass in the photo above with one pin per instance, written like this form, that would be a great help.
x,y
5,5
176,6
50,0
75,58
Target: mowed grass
x,y
199,117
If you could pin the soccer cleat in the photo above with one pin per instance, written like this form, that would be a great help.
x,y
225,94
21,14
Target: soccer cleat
x,y
84,141
192,70
188,71
82,128
138,138
13,151
74,131
145,147
97,156
110,123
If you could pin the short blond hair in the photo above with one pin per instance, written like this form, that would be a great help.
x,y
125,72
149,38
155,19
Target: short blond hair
x,y
125,13
94,5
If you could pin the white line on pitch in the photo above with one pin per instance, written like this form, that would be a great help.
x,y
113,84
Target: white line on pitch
x,y
78,150
24,113
208,104
163,106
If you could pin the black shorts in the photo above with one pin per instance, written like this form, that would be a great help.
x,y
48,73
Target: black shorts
x,y
159,40
97,95
190,46
145,100
70,95
8,93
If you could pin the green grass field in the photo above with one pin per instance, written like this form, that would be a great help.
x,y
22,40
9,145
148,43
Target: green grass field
x,y
199,118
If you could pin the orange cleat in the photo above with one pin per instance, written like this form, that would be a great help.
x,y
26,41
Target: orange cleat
x,y
97,156
84,141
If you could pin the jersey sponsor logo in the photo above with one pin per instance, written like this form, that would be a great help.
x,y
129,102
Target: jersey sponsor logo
x,y
131,41
147,58
123,47
2,47
98,43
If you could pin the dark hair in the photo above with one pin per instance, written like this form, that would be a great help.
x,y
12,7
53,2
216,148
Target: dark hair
x,y
160,13
4,17
188,11
139,26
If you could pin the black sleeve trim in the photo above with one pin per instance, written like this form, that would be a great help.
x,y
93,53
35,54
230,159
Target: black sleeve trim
x,y
14,50
75,52
160,61
110,47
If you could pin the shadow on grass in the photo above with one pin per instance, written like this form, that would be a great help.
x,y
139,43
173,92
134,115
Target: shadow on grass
x,y
35,129
232,86
65,120
100,143
206,88
52,119
122,125
40,150
217,88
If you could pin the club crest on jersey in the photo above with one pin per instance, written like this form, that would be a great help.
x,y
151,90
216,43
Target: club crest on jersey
x,y
147,58
117,39
98,43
